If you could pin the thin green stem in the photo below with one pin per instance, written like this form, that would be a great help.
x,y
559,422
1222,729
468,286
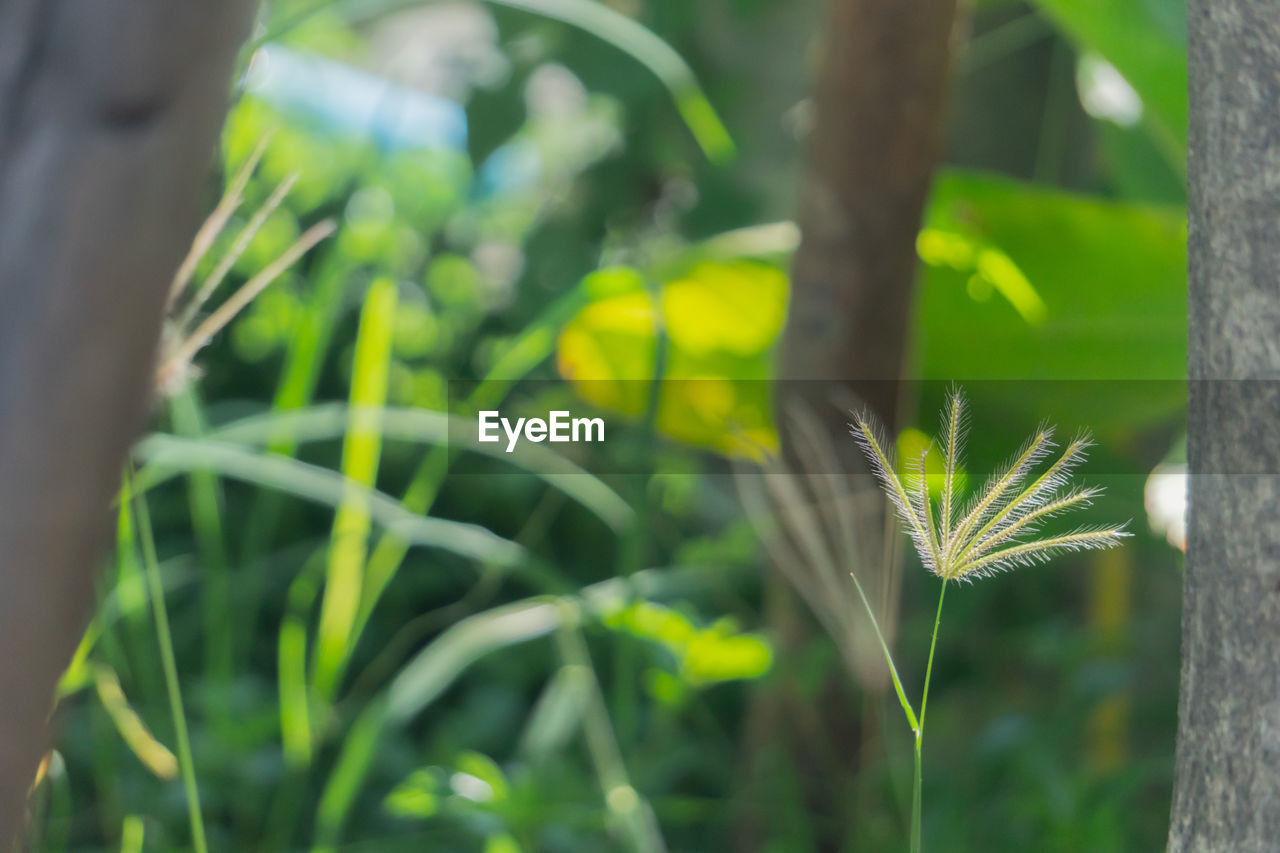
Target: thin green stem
x,y
164,639
634,814
917,787
204,494
928,670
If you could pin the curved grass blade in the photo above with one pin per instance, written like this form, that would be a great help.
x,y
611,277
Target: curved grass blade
x,y
321,485
328,421
629,36
154,755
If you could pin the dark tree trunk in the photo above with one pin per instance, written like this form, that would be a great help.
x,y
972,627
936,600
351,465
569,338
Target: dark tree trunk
x,y
878,108
877,112
109,112
1227,787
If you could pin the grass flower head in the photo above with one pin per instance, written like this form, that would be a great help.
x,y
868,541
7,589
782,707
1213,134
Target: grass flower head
x,y
999,527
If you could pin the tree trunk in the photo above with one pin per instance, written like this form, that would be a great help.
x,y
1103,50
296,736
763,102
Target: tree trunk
x,y
877,112
878,108
109,112
1227,785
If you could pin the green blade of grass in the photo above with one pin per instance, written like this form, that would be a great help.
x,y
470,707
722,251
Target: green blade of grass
x,y
531,347
168,662
291,656
633,815
109,612
329,420
304,359
323,486
204,494
130,591
556,714
430,673
154,755
348,775
418,684
361,452
133,833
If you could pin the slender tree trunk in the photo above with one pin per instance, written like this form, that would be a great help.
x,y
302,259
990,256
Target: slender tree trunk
x,y
1227,785
878,108
109,111
877,113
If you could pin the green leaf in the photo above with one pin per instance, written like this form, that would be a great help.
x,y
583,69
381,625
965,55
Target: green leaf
x,y
361,455
1147,43
415,797
719,323
501,843
1106,286
480,766
703,655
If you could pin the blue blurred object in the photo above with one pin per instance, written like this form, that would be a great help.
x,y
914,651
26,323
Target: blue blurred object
x,y
352,102
513,167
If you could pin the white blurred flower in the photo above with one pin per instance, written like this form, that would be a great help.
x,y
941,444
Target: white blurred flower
x,y
1104,93
1166,500
471,787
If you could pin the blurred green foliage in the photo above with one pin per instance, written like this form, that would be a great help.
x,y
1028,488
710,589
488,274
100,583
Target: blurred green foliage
x,y
387,640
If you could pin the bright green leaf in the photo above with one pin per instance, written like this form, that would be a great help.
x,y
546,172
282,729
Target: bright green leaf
x,y
1112,281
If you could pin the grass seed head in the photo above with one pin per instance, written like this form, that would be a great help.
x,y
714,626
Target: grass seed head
x,y
998,528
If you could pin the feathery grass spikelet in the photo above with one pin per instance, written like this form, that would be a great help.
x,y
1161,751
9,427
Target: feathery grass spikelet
x,y
183,336
954,428
992,532
882,465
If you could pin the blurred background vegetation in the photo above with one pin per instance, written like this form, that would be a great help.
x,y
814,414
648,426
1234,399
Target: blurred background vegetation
x,y
333,623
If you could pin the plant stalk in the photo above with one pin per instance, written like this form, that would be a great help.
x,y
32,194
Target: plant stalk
x,y
168,663
917,787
